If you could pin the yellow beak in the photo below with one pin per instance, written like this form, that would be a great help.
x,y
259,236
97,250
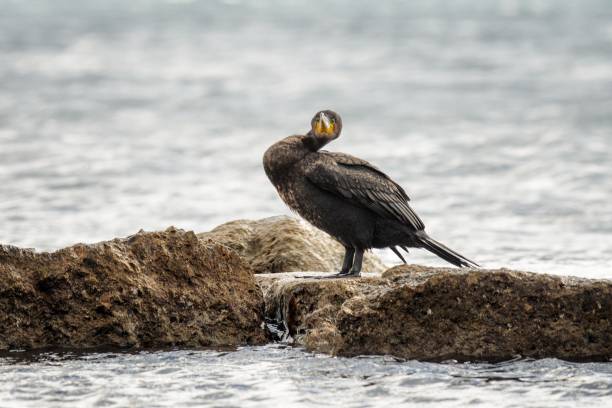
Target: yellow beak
x,y
323,126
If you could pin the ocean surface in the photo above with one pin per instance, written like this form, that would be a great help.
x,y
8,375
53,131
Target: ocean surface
x,y
495,116
276,375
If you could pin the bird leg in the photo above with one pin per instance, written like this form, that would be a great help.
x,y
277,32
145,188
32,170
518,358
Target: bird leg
x,y
352,258
357,263
348,260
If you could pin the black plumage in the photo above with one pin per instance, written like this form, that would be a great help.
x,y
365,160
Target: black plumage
x,y
347,197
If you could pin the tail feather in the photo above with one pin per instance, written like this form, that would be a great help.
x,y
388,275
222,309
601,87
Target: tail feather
x,y
445,252
394,249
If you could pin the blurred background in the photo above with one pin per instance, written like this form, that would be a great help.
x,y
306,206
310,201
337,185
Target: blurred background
x,y
495,116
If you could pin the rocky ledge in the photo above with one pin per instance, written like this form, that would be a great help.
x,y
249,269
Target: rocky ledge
x,y
284,244
174,288
416,312
148,290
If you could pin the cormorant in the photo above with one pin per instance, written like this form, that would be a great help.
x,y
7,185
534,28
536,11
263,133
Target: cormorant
x,y
347,197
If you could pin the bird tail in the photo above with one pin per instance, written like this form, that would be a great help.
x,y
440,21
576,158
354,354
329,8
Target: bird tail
x,y
445,252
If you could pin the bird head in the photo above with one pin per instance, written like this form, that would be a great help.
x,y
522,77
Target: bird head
x,y
326,125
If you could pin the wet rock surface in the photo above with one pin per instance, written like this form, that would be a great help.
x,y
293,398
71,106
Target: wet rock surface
x,y
417,312
285,244
149,290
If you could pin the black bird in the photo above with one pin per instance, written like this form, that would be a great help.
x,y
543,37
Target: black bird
x,y
348,198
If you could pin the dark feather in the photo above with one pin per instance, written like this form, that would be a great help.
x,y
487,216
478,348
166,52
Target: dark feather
x,y
445,252
363,184
394,249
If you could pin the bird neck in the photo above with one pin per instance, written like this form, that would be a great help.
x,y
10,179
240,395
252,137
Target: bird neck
x,y
314,143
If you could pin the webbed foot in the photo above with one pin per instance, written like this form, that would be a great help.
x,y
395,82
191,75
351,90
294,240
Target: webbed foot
x,y
350,274
338,275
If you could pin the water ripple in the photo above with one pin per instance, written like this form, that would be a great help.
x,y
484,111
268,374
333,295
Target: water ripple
x,y
255,376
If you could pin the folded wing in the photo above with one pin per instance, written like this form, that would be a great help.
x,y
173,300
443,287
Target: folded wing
x,y
363,184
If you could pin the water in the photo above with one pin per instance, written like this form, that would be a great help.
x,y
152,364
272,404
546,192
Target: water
x,y
495,116
262,376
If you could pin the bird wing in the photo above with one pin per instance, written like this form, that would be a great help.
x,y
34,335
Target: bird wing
x,y
363,184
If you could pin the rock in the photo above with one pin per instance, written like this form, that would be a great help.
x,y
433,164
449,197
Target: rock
x,y
149,290
284,244
425,313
